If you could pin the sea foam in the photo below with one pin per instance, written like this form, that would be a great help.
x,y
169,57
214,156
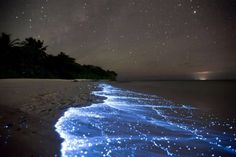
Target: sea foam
x,y
131,124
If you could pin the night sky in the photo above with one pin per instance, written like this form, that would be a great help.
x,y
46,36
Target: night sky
x,y
139,39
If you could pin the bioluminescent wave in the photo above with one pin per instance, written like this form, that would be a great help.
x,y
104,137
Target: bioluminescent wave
x,y
133,124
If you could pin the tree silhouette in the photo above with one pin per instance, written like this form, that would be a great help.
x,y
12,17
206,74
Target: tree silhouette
x,y
28,59
34,50
6,42
65,58
34,44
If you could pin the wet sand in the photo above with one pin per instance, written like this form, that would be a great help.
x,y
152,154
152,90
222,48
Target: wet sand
x,y
29,109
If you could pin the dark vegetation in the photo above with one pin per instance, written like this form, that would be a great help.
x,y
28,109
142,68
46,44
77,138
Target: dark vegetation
x,y
28,59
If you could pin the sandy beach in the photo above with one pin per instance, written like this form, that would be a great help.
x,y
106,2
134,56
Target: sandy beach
x,y
29,108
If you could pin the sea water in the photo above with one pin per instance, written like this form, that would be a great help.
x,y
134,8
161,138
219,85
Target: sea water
x,y
132,124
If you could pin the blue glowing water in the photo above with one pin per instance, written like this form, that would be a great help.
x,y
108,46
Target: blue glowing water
x,y
133,124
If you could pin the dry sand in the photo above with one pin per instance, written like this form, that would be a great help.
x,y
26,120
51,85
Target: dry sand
x,y
29,108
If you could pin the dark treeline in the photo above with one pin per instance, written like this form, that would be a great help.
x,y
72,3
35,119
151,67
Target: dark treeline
x,y
28,59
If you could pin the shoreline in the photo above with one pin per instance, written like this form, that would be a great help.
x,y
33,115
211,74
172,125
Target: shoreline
x,y
29,109
211,96
129,120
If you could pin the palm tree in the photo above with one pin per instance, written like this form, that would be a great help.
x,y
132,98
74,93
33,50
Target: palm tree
x,y
6,43
34,50
34,44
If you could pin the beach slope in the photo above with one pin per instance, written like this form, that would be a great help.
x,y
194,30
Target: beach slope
x,y
29,108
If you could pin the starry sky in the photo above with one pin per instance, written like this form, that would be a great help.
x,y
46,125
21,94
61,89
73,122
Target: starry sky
x,y
139,39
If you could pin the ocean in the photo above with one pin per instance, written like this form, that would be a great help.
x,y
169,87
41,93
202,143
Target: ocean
x,y
218,97
136,120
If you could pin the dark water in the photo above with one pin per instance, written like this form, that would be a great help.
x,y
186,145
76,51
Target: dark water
x,y
129,123
218,97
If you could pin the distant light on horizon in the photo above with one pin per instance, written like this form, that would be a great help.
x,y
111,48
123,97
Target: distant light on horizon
x,y
139,40
203,75
202,78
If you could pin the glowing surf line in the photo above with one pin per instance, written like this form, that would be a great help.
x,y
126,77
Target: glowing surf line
x,y
89,131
